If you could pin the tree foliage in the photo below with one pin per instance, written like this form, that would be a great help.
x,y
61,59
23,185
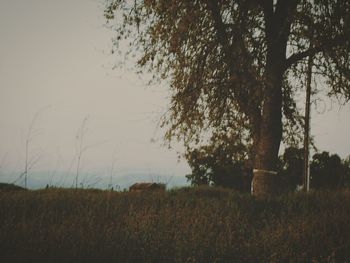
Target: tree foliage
x,y
291,165
328,171
211,165
234,67
220,164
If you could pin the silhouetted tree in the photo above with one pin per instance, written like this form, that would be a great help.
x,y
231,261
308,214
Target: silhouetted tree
x,y
220,165
230,63
346,165
327,171
291,167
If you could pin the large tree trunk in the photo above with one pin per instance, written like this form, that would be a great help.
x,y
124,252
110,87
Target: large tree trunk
x,y
277,22
265,179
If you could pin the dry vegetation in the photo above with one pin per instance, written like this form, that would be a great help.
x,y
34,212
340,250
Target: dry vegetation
x,y
185,225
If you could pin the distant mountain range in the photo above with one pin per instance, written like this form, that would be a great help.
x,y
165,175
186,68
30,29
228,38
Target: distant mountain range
x,y
39,180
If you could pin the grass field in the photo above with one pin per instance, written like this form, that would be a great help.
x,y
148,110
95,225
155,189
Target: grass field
x,y
184,225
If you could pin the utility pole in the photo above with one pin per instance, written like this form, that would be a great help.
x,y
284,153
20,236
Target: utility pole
x,y
306,174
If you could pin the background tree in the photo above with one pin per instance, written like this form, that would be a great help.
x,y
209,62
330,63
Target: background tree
x,y
236,65
290,167
346,165
220,163
327,171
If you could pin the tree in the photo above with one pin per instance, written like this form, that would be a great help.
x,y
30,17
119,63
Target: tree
x,y
346,166
290,167
327,171
236,65
220,164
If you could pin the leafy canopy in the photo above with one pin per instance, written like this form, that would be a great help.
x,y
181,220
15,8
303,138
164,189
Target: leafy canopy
x,y
213,55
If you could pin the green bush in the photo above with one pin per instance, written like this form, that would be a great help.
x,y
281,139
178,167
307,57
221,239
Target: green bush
x,y
185,225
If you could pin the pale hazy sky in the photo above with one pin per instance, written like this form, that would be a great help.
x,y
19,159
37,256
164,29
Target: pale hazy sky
x,y
55,59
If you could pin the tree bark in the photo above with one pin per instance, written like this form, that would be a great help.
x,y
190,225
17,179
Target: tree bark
x,y
278,19
265,179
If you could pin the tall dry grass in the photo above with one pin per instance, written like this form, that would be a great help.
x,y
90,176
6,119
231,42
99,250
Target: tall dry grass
x,y
185,225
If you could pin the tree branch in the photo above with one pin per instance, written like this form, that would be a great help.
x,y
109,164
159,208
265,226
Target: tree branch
x,y
334,42
230,57
219,26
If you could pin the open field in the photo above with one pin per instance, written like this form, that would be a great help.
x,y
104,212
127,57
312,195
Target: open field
x,y
184,225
